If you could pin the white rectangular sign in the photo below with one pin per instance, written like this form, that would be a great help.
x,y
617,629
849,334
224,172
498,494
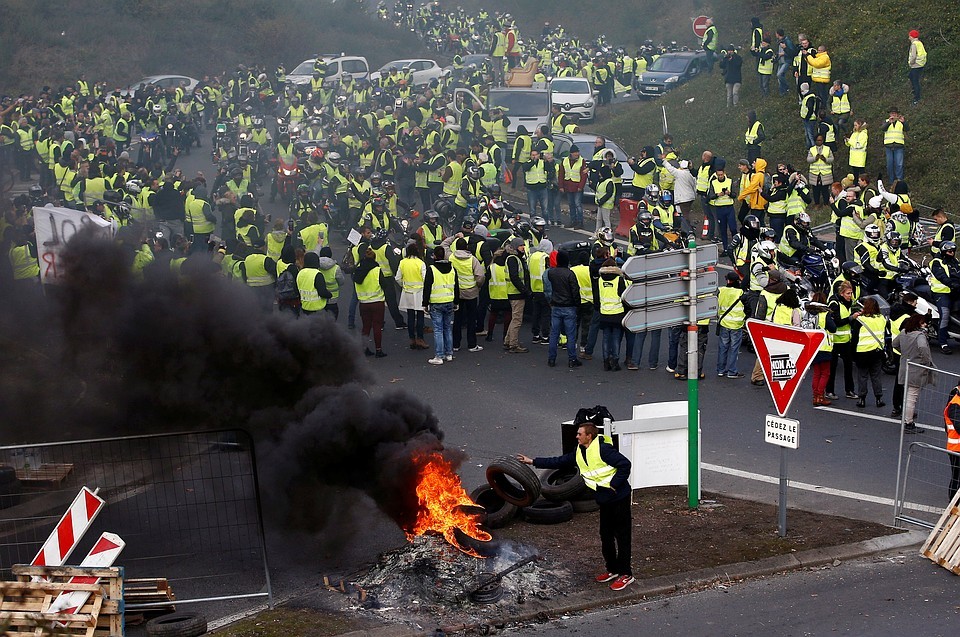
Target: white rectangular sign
x,y
54,227
784,432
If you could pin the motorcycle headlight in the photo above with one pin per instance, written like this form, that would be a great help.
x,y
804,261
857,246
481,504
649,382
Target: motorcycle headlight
x,y
243,137
289,173
221,128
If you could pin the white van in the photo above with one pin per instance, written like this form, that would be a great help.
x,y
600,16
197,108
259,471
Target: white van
x,y
527,106
337,65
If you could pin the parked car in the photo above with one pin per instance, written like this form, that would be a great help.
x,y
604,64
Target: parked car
x,y
669,71
529,107
476,59
575,96
584,141
337,65
422,70
164,82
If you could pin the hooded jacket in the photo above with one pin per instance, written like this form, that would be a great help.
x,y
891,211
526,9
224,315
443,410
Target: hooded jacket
x,y
752,193
326,263
608,273
445,267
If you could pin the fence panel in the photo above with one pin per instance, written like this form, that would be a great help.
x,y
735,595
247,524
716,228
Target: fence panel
x,y
187,506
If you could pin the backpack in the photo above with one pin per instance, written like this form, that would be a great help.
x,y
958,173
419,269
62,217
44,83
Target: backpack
x,y
286,286
347,264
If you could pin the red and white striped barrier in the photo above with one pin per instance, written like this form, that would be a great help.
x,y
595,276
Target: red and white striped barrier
x,y
103,554
69,529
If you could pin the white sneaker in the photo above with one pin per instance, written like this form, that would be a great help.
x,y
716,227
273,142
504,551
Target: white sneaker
x,y
436,360
448,357
478,348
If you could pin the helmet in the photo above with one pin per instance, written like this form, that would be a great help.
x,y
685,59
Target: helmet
x,y
523,229
381,234
605,235
539,222
341,100
376,177
132,187
378,202
768,234
473,172
432,216
495,206
894,239
803,221
751,227
36,191
948,246
317,153
651,192
469,222
645,218
494,190
872,234
303,189
157,109
766,250
334,157
258,122
388,185
666,197
851,270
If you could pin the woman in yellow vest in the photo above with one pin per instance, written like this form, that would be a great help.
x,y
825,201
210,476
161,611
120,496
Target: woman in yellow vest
x,y
410,274
441,293
845,313
816,316
857,142
871,351
369,282
607,289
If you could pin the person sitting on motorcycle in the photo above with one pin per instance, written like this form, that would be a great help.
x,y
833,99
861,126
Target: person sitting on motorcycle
x,y
539,229
375,213
742,244
645,237
431,231
797,241
850,272
302,204
899,223
468,194
314,130
651,195
665,217
340,111
296,113
238,184
285,153
893,260
867,253
258,133
148,122
493,217
245,118
316,167
394,203
944,282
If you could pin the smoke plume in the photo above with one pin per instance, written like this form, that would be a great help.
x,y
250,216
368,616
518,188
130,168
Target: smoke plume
x,y
111,355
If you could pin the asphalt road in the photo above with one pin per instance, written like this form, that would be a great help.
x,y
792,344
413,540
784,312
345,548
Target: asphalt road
x,y
890,595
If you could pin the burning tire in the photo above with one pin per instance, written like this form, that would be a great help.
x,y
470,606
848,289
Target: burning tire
x,y
490,548
499,511
514,481
177,625
548,512
585,506
559,484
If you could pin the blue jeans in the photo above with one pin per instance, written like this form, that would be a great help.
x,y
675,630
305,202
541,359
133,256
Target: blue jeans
x,y
563,319
535,196
944,305
726,219
442,315
778,223
673,346
782,77
553,205
810,131
592,333
611,340
653,355
575,203
729,350
894,163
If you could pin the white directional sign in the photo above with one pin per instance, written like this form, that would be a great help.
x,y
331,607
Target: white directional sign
x,y
783,432
655,317
660,263
664,290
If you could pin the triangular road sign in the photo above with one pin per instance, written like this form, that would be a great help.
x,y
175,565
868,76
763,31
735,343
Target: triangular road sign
x,y
785,355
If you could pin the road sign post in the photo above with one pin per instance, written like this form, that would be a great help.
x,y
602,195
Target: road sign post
x,y
785,354
670,289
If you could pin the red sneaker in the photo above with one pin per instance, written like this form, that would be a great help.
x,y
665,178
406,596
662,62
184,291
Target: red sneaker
x,y
622,582
603,578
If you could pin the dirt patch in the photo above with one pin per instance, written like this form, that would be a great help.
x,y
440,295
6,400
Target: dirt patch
x,y
668,538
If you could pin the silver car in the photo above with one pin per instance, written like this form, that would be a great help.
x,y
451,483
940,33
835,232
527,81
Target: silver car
x,y
584,141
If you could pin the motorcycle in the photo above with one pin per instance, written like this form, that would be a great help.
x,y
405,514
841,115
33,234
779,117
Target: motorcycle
x,y
288,177
222,139
821,268
149,152
172,137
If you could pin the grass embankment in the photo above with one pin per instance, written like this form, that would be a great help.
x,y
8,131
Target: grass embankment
x,y
867,42
119,41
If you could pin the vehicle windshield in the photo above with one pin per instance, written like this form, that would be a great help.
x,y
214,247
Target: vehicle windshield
x,y
520,103
304,68
666,64
570,86
398,64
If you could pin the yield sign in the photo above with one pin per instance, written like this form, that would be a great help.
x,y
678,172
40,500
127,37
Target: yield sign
x,y
785,355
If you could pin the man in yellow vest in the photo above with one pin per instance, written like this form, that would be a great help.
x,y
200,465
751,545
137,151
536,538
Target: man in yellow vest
x,y
441,294
951,422
894,141
312,285
605,471
944,280
732,315
916,60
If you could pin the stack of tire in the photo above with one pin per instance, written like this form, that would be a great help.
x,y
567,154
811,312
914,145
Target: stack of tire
x,y
513,489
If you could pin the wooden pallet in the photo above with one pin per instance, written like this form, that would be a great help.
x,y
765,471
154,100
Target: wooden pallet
x,y
151,590
107,596
943,544
47,473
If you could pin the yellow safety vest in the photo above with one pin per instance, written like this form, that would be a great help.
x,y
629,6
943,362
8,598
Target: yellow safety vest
x,y
594,471
872,329
411,271
369,290
521,148
194,209
921,53
257,275
752,133
464,269
782,315
893,134
442,290
330,278
610,303
310,299
582,273
858,148
735,318
642,181
452,185
820,166
24,266
844,332
498,282
718,186
537,174
571,172
538,265
936,285
840,105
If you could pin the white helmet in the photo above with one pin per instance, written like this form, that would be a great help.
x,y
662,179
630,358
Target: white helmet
x,y
872,234
132,187
766,250
157,109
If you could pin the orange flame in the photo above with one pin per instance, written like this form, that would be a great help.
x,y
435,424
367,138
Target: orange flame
x,y
441,494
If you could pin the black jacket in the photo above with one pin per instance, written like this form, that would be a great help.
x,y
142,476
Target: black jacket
x,y
565,287
619,486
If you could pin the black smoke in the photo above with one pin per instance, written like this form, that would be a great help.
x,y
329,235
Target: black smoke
x,y
111,355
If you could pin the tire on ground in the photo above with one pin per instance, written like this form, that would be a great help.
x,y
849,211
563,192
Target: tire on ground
x,y
177,625
514,481
561,484
499,511
545,511
585,506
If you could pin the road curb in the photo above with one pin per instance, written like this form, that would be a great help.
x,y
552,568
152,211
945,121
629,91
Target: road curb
x,y
668,584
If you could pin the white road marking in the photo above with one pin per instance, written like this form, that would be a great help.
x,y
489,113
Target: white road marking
x,y
859,414
804,486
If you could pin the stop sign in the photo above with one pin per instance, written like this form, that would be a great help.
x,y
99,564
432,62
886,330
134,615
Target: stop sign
x,y
700,25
